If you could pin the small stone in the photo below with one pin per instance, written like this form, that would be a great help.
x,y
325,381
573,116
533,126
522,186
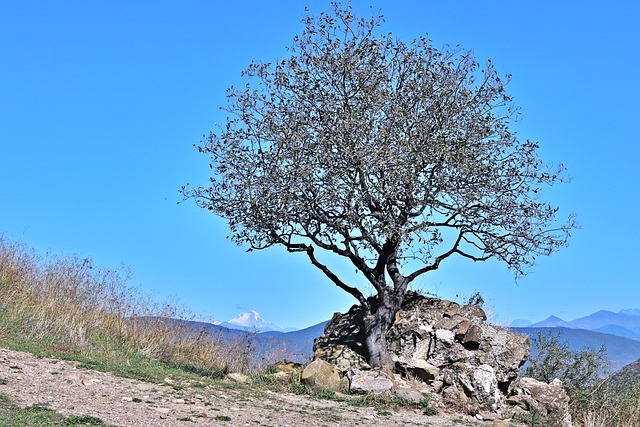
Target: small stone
x,y
144,386
164,412
239,378
489,416
126,399
437,386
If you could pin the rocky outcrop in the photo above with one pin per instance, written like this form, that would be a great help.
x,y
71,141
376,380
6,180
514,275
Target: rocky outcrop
x,y
464,361
547,400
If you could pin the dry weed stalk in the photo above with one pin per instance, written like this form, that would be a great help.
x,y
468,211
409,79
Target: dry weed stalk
x,y
71,303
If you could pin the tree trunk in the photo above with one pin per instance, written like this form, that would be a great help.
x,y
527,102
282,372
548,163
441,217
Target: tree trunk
x,y
378,319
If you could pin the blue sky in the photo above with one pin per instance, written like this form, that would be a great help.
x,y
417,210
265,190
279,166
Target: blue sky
x,y
101,102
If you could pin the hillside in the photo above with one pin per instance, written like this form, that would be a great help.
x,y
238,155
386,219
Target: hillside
x,y
632,370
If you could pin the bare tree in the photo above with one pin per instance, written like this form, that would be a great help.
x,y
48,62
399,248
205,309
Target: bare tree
x,y
394,156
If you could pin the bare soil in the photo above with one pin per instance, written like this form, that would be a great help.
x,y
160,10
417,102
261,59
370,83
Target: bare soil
x,y
70,390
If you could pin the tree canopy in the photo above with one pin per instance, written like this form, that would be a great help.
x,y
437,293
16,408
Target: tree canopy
x,y
393,155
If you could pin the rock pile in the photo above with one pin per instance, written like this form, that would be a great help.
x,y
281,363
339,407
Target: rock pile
x,y
460,359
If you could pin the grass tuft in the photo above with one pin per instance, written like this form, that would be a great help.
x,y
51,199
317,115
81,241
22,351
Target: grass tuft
x,y
41,416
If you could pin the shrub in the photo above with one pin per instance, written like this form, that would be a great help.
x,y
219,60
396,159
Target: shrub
x,y
578,370
595,402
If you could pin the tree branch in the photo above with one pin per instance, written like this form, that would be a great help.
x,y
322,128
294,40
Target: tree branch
x,y
438,260
309,250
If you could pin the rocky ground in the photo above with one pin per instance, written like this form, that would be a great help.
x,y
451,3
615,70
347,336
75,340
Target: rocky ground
x,y
68,389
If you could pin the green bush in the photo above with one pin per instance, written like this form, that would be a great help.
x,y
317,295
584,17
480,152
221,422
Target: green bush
x,y
579,371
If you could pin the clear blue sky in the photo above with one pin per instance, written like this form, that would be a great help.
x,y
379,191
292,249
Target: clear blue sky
x,y
101,101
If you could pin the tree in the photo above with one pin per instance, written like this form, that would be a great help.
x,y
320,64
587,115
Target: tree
x,y
394,156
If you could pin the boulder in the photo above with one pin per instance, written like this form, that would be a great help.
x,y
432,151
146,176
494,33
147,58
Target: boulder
x,y
485,387
409,394
472,337
420,368
322,375
374,381
462,329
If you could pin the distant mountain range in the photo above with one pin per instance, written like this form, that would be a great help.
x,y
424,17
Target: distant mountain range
x,y
269,346
625,323
620,351
618,332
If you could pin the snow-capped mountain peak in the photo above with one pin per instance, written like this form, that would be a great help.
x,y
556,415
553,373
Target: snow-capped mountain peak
x,y
251,321
246,319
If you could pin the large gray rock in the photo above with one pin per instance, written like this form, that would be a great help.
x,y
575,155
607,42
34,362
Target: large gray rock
x,y
374,381
422,369
322,375
409,394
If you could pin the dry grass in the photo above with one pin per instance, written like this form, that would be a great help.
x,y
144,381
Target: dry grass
x,y
76,307
610,404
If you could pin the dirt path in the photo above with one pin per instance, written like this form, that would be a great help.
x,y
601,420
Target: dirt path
x,y
123,402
